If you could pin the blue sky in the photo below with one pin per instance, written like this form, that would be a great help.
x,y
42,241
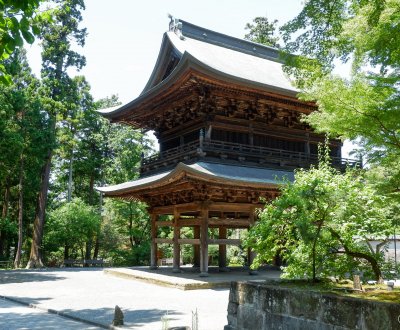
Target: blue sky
x,y
124,36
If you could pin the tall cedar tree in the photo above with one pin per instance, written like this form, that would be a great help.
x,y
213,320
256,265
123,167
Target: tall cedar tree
x,y
23,136
57,57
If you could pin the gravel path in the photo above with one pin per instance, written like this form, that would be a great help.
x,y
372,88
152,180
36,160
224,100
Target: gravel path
x,y
91,295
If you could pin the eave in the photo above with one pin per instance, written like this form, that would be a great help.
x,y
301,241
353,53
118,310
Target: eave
x,y
197,172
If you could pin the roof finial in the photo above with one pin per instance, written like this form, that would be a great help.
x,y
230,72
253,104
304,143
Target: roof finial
x,y
175,25
171,22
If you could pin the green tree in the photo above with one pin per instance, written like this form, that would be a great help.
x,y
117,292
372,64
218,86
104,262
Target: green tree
x,y
23,135
70,226
321,225
263,31
131,223
57,56
19,21
365,105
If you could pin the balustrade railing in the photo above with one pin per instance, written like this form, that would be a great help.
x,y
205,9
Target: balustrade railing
x,y
198,150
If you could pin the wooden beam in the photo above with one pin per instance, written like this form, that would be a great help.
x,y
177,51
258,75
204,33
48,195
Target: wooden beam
x,y
204,241
176,248
196,248
189,222
224,241
232,207
153,247
169,209
193,241
231,222
164,223
181,208
163,241
222,248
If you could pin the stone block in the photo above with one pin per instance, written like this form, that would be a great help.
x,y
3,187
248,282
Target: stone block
x,y
249,318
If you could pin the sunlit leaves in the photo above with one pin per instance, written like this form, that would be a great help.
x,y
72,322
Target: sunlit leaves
x,y
263,32
319,217
18,23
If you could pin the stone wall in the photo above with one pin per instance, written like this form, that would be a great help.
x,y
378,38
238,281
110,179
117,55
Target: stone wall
x,y
254,306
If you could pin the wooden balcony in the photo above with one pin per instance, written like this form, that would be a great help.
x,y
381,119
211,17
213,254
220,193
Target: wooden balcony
x,y
234,153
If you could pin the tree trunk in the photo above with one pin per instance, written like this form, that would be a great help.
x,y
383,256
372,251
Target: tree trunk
x,y
314,256
66,251
360,255
4,215
96,247
69,194
88,251
35,258
17,260
130,225
91,189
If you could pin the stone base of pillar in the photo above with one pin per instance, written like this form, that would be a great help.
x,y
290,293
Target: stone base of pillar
x,y
153,267
176,270
224,270
204,274
253,272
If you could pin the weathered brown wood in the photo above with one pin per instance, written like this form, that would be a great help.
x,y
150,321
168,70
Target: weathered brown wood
x,y
204,241
232,207
176,247
189,222
222,248
193,241
153,247
196,248
164,223
229,222
251,254
163,241
228,241
181,208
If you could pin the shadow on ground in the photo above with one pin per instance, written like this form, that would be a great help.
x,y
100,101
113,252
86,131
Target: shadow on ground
x,y
26,300
23,276
31,320
132,318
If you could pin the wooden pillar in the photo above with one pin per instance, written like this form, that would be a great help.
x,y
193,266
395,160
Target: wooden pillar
x,y
250,253
204,242
177,250
196,247
153,252
307,144
222,249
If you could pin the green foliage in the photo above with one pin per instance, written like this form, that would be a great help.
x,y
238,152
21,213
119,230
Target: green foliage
x,y
72,224
321,223
263,32
129,224
365,105
19,21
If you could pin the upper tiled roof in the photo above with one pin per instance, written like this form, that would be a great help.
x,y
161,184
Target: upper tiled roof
x,y
224,57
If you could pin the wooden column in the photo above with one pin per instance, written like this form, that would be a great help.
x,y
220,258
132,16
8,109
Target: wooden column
x,y
204,242
250,253
196,247
222,249
153,253
177,250
307,144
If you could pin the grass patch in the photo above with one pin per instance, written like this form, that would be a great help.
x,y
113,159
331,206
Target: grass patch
x,y
376,292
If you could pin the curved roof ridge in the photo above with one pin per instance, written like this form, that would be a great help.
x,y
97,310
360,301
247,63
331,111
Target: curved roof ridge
x,y
238,175
223,40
